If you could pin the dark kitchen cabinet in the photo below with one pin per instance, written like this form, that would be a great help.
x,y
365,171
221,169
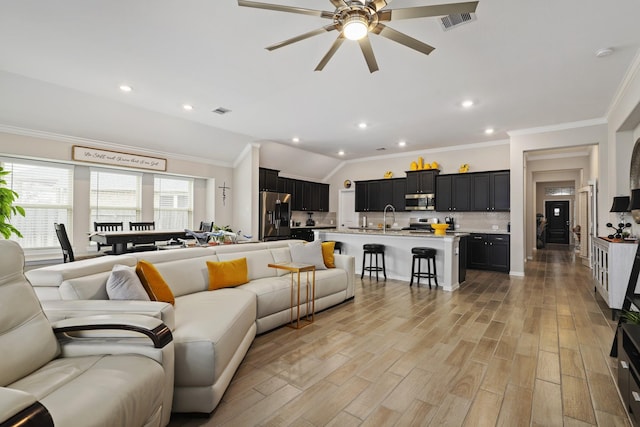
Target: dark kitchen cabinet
x,y
421,182
490,191
453,192
323,197
489,252
268,179
302,234
374,195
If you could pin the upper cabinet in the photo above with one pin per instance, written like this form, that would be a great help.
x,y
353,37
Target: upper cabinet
x,y
374,195
453,192
305,195
268,179
490,191
421,182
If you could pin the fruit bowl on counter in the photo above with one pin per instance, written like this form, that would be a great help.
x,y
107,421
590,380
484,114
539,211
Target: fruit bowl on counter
x,y
439,229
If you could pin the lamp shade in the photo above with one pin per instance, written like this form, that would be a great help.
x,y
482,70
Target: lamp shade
x,y
635,200
620,204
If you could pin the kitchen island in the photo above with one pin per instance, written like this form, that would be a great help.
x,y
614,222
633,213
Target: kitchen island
x,y
398,257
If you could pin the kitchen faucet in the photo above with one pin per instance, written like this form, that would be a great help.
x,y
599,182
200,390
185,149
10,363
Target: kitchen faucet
x,y
384,217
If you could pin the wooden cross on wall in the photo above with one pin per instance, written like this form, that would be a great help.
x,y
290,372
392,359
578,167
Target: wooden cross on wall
x,y
224,192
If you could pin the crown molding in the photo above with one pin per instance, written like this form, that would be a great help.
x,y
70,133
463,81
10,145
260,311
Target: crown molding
x,y
558,127
14,130
629,77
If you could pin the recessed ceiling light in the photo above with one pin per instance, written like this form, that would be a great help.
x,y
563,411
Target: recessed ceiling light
x,y
126,88
467,103
340,153
295,139
488,131
187,107
362,125
402,143
604,52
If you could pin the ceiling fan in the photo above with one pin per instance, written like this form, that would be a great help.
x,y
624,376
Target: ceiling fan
x,y
355,19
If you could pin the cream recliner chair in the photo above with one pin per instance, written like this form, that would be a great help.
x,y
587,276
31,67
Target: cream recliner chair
x,y
120,373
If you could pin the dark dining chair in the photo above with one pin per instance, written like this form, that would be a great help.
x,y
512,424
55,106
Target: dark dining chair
x,y
206,226
142,226
107,226
65,244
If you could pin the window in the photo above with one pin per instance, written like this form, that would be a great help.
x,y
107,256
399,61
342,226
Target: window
x,y
173,203
45,191
115,196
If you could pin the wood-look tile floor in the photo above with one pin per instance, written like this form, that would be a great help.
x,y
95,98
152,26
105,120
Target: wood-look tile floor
x,y
500,351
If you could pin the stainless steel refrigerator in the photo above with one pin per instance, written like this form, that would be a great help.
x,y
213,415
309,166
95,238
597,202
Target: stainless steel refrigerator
x,y
275,215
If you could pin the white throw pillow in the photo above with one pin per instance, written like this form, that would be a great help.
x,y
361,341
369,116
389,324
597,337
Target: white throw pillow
x,y
309,253
124,284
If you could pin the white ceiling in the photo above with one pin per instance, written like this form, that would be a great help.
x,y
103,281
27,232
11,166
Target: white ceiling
x,y
525,64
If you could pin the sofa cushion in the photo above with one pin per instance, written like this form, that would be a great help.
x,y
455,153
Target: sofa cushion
x,y
327,254
154,283
83,390
310,253
227,274
124,284
210,327
257,262
281,256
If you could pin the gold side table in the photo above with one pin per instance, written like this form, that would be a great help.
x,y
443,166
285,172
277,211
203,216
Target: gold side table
x,y
297,268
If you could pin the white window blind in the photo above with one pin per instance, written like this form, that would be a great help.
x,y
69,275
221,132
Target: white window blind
x,y
173,203
45,191
115,196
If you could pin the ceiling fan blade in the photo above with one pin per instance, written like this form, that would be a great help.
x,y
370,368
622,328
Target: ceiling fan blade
x,y
367,50
379,4
290,9
402,38
427,11
332,50
339,3
283,43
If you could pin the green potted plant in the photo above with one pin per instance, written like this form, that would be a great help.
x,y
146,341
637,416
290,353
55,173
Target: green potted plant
x,y
7,208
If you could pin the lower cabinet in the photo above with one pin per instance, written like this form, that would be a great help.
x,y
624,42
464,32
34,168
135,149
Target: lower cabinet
x,y
488,252
629,369
302,234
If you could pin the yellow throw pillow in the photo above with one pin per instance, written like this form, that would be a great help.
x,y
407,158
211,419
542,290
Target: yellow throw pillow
x,y
327,254
153,282
227,274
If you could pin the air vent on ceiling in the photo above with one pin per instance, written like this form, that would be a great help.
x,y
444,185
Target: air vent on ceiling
x,y
451,21
381,149
221,110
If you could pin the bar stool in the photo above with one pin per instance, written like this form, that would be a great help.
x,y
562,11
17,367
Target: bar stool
x,y
338,247
428,254
373,249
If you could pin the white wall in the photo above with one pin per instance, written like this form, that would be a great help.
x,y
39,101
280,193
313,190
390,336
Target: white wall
x,y
57,148
246,199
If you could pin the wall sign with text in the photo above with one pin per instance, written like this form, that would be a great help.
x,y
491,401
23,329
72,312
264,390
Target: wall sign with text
x,y
116,158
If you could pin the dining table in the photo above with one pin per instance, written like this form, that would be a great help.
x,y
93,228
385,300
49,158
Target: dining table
x,y
119,240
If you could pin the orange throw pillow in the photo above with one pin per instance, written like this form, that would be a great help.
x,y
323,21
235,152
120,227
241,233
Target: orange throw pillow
x,y
227,274
153,283
327,254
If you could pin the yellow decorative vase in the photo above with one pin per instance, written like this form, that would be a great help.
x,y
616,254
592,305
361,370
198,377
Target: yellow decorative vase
x,y
439,229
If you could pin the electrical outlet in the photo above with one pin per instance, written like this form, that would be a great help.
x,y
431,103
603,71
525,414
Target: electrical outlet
x,y
494,227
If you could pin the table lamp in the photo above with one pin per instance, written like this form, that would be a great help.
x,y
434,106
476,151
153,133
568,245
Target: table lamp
x,y
621,206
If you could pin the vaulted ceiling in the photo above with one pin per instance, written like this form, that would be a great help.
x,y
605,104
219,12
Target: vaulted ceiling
x,y
524,64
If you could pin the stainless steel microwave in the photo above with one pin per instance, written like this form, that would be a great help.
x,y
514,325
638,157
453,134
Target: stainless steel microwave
x,y
420,202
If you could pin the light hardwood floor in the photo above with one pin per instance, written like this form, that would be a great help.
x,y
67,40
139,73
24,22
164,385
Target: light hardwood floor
x,y
500,351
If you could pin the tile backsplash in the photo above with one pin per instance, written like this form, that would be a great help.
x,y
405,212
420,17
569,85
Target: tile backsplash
x,y
321,218
463,220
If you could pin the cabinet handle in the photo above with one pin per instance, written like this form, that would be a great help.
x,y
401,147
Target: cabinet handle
x,y
636,396
624,364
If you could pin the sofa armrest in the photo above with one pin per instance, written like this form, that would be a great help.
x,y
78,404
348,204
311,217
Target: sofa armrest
x,y
153,328
347,263
18,408
65,309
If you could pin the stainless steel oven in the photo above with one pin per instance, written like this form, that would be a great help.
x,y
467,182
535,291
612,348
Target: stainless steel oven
x,y
420,202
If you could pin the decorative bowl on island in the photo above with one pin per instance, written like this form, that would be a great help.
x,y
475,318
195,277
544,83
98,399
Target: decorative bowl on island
x,y
439,229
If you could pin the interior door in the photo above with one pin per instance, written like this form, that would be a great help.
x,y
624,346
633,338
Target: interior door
x,y
557,215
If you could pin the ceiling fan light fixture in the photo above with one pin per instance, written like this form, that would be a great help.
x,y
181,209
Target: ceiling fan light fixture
x,y
355,27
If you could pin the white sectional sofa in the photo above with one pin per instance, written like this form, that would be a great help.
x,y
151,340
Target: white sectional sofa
x,y
212,330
